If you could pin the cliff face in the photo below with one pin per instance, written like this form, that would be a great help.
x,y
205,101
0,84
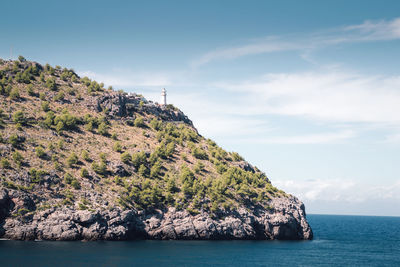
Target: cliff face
x,y
286,221
81,162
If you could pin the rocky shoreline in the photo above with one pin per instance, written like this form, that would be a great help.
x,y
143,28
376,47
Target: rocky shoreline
x,y
285,221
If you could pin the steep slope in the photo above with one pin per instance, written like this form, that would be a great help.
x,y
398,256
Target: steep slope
x,y
79,161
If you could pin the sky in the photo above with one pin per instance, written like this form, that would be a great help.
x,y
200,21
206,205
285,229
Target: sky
x,y
308,91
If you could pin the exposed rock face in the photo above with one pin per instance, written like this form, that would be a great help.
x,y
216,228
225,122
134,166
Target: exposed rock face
x,y
123,105
285,221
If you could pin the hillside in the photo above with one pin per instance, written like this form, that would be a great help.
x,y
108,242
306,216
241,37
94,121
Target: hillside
x,y
79,161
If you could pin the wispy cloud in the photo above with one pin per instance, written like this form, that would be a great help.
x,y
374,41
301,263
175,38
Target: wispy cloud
x,y
376,30
317,138
365,32
266,46
324,96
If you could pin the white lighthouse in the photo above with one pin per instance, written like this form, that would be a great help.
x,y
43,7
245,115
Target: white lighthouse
x,y
163,97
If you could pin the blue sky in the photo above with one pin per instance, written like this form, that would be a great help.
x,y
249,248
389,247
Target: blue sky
x,y
308,91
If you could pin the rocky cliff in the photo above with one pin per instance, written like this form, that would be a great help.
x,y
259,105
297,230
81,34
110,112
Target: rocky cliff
x,y
81,162
285,221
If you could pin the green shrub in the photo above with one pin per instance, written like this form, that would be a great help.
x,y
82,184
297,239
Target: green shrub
x,y
186,175
187,190
189,135
5,164
236,156
51,84
2,115
71,91
139,122
170,149
18,158
171,185
82,206
184,157
42,96
126,157
199,167
40,152
14,140
72,160
21,59
60,144
60,127
64,76
30,90
94,87
58,166
221,168
18,126
85,80
89,126
85,155
199,153
117,147
36,175
7,90
51,146
139,159
19,117
68,121
114,136
60,96
49,120
103,156
68,178
142,170
155,156
156,124
23,77
75,184
100,169
103,129
14,94
84,172
4,89
155,170
45,106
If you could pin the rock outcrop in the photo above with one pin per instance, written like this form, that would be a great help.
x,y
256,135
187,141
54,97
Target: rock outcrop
x,y
127,105
285,221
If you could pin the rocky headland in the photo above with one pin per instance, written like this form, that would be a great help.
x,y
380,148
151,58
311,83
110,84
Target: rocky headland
x,y
81,162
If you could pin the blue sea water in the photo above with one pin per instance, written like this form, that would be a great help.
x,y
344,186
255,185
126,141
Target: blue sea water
x,y
339,241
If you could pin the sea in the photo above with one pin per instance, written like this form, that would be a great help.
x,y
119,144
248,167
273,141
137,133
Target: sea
x,y
338,241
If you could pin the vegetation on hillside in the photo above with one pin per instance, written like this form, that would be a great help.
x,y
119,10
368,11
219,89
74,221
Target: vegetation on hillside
x,y
53,143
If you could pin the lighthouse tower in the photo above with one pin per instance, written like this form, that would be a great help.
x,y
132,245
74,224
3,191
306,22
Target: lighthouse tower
x,y
163,97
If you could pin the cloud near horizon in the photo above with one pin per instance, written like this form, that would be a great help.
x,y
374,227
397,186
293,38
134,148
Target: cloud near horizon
x,y
358,196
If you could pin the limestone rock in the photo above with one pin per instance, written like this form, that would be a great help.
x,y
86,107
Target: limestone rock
x,y
286,221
